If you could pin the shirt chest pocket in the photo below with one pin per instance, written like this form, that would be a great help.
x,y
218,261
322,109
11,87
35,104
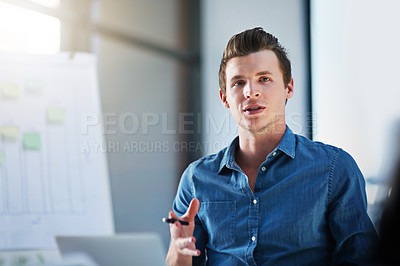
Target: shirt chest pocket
x,y
218,217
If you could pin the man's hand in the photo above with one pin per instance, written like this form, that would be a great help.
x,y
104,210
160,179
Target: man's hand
x,y
182,246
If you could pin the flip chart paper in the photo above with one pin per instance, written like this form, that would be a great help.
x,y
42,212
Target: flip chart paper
x,y
48,185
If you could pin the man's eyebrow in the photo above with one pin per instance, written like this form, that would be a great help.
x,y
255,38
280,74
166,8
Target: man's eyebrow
x,y
266,72
263,73
237,77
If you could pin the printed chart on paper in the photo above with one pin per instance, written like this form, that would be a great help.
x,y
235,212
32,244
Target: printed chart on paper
x,y
48,185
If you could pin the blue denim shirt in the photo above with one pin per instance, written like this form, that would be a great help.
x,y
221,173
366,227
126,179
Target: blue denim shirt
x,y
308,207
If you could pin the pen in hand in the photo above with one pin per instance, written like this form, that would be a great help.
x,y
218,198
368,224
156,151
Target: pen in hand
x,y
173,220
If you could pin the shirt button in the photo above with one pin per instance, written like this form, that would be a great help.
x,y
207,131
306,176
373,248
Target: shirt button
x,y
253,238
274,153
254,201
263,168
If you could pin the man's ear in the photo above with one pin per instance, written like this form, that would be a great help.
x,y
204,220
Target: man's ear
x,y
223,99
289,89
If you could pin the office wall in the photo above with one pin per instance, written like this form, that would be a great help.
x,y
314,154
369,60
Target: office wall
x,y
222,19
139,89
355,93
355,61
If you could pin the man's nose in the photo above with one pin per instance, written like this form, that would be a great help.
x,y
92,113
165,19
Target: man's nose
x,y
251,90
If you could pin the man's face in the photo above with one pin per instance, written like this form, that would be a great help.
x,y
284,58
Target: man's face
x,y
255,92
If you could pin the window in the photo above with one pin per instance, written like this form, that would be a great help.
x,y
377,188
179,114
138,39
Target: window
x,y
23,30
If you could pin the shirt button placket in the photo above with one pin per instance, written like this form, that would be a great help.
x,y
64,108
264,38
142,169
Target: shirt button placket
x,y
255,215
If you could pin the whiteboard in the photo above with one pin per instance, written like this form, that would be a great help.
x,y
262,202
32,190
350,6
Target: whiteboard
x,y
50,183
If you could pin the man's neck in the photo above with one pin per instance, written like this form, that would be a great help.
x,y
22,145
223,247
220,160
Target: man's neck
x,y
255,147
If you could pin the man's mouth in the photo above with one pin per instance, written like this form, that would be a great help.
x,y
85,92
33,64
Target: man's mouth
x,y
254,109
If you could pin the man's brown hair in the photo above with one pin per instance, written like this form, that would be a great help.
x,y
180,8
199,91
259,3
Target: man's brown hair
x,y
252,41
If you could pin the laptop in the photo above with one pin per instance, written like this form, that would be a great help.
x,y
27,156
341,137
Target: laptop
x,y
116,250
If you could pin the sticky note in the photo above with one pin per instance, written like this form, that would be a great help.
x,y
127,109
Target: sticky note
x,y
9,132
31,141
1,157
10,91
55,114
34,85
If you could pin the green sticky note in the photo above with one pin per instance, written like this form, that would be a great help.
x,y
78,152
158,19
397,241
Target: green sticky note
x,y
56,114
1,157
31,141
10,91
9,132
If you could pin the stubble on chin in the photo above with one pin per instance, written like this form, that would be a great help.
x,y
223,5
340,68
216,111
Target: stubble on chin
x,y
274,127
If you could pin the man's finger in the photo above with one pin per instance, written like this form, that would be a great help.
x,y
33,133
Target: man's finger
x,y
192,210
175,228
187,242
190,252
172,214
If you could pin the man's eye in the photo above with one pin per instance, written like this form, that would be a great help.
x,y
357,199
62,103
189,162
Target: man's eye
x,y
265,79
238,83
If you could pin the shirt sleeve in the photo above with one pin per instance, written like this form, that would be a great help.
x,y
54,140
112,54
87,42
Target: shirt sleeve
x,y
186,192
351,228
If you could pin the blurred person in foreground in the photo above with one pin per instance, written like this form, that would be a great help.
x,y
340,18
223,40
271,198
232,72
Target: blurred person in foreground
x,y
389,224
271,197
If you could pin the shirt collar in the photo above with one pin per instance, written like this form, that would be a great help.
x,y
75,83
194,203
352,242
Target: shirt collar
x,y
287,145
228,159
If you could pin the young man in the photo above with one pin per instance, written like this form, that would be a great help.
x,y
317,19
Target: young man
x,y
271,197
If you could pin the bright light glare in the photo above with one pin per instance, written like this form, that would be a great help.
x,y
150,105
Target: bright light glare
x,y
23,30
48,3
